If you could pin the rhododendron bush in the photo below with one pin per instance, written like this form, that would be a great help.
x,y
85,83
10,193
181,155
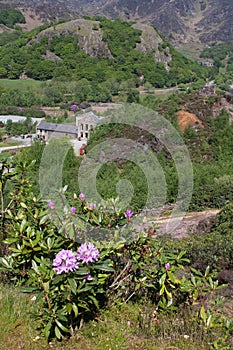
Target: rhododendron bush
x,y
71,274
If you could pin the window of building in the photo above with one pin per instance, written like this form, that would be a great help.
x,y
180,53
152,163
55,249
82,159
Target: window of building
x,y
86,126
81,126
86,135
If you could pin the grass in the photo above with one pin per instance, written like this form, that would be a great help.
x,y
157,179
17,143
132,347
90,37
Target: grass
x,y
125,327
4,155
20,84
9,143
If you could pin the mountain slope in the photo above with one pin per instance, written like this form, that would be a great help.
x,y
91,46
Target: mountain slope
x,y
184,20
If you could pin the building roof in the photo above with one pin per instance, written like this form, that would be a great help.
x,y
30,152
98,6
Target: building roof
x,y
62,128
91,115
17,118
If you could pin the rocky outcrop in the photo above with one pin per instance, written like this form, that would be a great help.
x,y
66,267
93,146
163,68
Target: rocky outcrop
x,y
150,42
89,36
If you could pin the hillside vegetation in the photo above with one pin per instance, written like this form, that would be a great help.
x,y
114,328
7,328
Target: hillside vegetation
x,y
97,51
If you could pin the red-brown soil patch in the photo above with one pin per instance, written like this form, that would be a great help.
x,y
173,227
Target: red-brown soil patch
x,y
188,119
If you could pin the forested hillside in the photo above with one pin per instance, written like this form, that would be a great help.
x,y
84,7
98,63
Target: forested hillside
x,y
97,51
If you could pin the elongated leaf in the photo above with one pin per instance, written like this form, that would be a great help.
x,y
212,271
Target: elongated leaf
x,y
203,314
47,330
104,268
23,224
169,294
5,263
75,309
85,289
162,290
11,240
169,303
58,279
27,289
162,279
23,205
43,219
209,321
173,278
95,301
35,266
57,333
61,326
82,271
73,285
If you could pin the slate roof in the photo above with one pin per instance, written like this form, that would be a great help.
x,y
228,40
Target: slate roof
x,y
62,128
89,115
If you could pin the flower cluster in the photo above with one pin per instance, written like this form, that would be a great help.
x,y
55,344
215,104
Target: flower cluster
x,y
65,261
87,252
74,107
128,214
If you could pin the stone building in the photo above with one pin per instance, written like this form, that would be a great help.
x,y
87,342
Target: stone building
x,y
85,123
46,131
81,131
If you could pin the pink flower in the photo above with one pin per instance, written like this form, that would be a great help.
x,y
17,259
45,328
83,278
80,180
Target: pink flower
x,y
87,252
89,278
128,213
72,210
82,196
91,206
51,204
167,266
65,261
73,107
